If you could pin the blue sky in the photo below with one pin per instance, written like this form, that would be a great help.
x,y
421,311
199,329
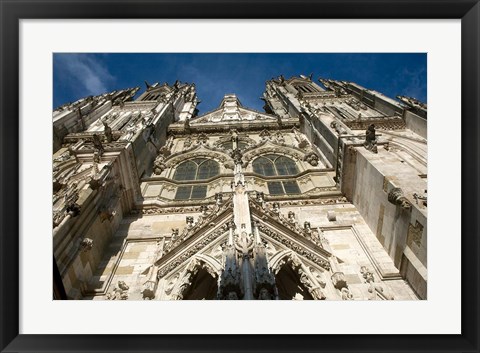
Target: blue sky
x,y
76,75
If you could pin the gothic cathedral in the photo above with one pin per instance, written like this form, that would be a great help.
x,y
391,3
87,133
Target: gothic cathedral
x,y
323,196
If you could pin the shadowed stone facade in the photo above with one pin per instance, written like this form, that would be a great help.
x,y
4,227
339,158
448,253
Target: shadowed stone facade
x,y
322,196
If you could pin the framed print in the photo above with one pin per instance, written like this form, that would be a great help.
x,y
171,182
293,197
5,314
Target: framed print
x,y
312,199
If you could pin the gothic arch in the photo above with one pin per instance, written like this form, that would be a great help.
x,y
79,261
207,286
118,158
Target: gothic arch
x,y
203,265
198,151
269,147
285,263
210,261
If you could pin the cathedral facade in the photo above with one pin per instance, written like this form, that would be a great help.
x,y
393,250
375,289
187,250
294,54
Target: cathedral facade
x,y
323,196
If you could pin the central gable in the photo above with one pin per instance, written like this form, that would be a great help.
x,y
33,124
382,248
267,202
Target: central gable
x,y
231,111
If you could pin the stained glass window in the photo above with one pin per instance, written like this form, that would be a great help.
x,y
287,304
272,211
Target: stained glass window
x,y
273,165
195,169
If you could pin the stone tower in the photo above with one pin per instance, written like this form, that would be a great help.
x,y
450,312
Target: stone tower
x,y
322,196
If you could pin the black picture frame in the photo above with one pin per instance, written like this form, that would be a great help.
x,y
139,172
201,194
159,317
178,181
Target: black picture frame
x,y
12,11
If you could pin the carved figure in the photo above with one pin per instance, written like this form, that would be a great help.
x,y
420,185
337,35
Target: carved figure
x,y
367,274
346,295
120,292
276,208
185,282
291,217
97,143
158,165
396,197
237,156
187,143
311,158
108,132
370,139
279,137
189,221
338,280
307,230
96,157
260,198
86,244
174,233
312,288
202,138
73,209
234,134
219,198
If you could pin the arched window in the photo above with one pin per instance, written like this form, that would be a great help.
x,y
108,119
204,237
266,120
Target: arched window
x,y
195,169
272,164
275,165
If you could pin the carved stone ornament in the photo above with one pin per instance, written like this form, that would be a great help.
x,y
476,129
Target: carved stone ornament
x,y
291,217
311,158
276,208
120,292
370,139
97,143
367,274
189,221
86,244
230,281
148,291
339,281
107,130
396,197
346,295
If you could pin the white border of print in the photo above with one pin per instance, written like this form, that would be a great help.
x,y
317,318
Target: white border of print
x,y
440,314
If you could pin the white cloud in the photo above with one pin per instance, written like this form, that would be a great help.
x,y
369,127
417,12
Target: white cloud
x,y
85,74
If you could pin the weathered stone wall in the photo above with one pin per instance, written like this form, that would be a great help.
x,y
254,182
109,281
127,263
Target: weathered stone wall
x,y
376,176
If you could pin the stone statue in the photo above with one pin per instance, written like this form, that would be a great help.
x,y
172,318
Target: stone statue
x,y
291,217
97,143
219,198
189,221
108,132
237,156
307,229
174,233
370,139
276,208
234,134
